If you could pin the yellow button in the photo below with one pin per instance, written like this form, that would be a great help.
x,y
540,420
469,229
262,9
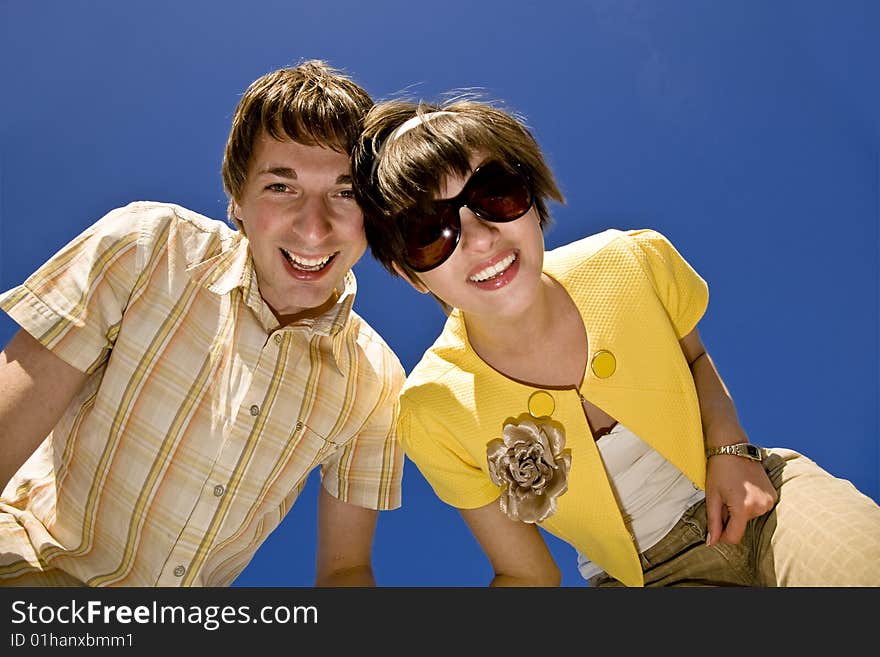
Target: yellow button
x,y
541,404
603,364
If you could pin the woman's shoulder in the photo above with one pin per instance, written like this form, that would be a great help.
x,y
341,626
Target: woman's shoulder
x,y
612,243
447,365
441,360
574,255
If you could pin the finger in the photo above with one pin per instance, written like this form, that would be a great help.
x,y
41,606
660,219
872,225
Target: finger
x,y
734,529
714,511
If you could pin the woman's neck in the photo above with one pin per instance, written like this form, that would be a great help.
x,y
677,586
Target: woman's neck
x,y
506,334
546,345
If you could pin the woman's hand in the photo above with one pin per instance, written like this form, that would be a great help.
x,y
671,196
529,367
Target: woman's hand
x,y
737,490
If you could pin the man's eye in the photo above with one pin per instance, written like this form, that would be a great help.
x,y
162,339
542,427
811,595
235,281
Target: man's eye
x,y
277,187
346,193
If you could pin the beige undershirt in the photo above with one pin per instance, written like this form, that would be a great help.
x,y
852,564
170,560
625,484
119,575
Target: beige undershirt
x,y
651,492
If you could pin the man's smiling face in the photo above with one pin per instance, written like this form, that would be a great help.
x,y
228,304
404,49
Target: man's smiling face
x,y
305,229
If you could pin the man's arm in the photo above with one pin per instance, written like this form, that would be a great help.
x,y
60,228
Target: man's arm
x,y
516,550
737,489
345,543
35,388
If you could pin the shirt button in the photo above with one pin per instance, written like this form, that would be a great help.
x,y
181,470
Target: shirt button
x,y
603,363
180,571
219,490
541,404
278,339
255,410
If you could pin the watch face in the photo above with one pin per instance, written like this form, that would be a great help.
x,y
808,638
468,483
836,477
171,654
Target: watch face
x,y
753,452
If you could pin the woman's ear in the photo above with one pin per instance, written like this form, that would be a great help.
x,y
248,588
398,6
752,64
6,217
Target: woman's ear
x,y
411,279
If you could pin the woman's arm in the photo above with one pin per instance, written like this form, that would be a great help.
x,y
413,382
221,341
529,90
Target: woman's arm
x,y
515,549
737,489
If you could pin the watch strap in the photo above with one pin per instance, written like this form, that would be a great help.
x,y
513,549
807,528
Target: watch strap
x,y
746,450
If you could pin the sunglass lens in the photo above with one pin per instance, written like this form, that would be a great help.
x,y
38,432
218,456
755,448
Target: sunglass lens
x,y
499,193
431,239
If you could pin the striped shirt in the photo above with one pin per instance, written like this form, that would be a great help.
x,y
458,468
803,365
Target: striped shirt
x,y
201,418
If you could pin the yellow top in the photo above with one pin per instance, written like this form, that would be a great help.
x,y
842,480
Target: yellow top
x,y
637,297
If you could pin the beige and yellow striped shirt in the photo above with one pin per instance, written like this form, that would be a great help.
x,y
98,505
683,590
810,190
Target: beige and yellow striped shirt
x,y
201,418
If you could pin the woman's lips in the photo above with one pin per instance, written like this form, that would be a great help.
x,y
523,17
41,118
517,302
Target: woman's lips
x,y
496,273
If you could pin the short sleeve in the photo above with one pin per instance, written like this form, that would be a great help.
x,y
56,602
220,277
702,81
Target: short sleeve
x,y
448,468
684,294
368,470
73,304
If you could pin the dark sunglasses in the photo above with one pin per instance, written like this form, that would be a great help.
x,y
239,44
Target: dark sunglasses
x,y
494,192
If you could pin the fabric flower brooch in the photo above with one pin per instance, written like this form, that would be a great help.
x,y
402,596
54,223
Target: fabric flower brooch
x,y
530,465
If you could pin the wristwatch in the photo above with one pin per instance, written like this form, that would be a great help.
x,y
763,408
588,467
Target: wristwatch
x,y
746,450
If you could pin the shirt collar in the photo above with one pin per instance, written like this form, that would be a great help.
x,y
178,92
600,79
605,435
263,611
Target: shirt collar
x,y
233,268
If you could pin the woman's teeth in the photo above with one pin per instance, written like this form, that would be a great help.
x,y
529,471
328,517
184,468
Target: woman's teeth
x,y
307,264
494,270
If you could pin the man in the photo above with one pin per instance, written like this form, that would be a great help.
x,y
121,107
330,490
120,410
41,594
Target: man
x,y
175,381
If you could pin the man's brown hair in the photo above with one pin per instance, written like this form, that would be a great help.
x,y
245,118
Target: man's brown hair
x,y
312,103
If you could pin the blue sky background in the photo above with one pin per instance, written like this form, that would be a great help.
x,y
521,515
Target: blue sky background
x,y
748,132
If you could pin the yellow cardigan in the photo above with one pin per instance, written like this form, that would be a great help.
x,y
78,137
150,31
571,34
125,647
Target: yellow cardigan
x,y
637,297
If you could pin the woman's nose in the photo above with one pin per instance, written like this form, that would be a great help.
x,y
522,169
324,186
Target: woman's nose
x,y
477,234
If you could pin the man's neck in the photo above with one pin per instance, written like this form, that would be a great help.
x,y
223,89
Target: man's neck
x,y
308,313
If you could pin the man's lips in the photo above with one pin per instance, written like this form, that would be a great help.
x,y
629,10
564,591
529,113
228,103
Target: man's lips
x,y
307,263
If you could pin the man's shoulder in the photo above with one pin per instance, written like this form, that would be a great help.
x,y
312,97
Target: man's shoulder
x,y
160,226
365,333
377,351
155,221
158,213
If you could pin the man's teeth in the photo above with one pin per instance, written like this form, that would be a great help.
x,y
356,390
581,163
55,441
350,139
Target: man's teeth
x,y
493,270
307,264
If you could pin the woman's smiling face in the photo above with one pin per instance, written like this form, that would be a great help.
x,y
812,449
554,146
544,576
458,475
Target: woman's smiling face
x,y
496,267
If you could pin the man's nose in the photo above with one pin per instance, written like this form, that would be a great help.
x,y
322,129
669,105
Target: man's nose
x,y
311,219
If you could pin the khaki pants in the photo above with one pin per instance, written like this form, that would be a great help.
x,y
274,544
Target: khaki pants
x,y
822,532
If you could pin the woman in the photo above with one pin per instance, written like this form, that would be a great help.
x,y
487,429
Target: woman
x,y
570,389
